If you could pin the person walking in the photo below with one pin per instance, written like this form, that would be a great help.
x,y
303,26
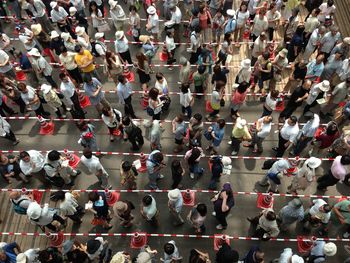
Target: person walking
x,y
93,89
132,133
6,132
193,157
123,210
261,131
290,213
128,174
317,216
197,217
215,134
287,135
154,165
124,90
274,175
175,204
69,206
223,202
149,210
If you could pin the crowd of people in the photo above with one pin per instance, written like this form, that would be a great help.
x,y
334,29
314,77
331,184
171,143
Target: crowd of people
x,y
53,53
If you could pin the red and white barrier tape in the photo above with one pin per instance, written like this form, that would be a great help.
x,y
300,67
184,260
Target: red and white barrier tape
x,y
24,190
264,158
170,235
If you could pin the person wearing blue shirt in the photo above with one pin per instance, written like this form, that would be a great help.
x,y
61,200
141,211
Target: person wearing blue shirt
x,y
124,91
315,68
217,134
154,164
230,25
8,254
93,89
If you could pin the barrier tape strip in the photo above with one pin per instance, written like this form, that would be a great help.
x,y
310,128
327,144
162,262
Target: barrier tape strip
x,y
171,235
176,155
48,190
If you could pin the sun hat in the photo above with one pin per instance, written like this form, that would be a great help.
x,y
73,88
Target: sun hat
x,y
151,10
313,162
72,10
54,34
241,123
99,35
283,53
119,34
330,249
65,36
34,210
231,12
34,52
174,194
53,4
297,259
79,30
324,85
45,88
112,3
245,63
36,29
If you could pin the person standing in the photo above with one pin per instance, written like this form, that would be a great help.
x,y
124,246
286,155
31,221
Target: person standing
x,y
179,130
99,207
240,133
93,89
125,91
154,165
30,98
122,210
321,251
85,61
315,68
152,25
274,175
149,210
340,215
223,202
128,175
175,204
215,134
197,216
5,65
38,9
69,206
112,118
122,48
132,133
317,92
31,162
95,167
6,132
193,157
67,59
262,130
338,172
290,213
60,16
226,254
329,40
287,135
265,224
317,216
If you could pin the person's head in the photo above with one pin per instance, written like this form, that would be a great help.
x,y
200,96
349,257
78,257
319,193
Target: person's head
x,y
93,6
201,69
292,120
300,30
126,166
315,12
219,13
338,55
63,77
330,3
273,7
259,255
53,156
267,119
179,118
334,30
243,7
322,30
345,160
132,9
24,156
197,30
3,158
93,196
87,78
176,164
126,121
202,209
242,87
308,116
274,94
82,125
319,59
332,128
107,110
326,208
219,85
295,11
160,77
64,51
307,84
141,58
302,64
122,79
158,157
44,256
87,153
15,195
217,69
266,55
169,248
170,33
221,123
60,195
271,216
184,88
263,36
79,49
153,93
22,87
147,200
198,117
202,8
262,13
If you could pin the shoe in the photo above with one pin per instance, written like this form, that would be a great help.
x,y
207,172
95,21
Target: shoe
x,y
275,149
220,227
346,235
15,143
213,213
161,176
256,151
192,175
229,142
234,153
77,172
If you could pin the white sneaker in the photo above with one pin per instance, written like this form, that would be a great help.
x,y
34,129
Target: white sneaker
x,y
219,226
234,153
161,176
346,235
213,214
229,142
192,175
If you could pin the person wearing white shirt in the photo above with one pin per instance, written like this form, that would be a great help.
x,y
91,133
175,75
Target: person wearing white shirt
x,y
60,16
38,9
318,216
117,14
6,45
5,67
311,23
161,84
329,40
195,49
95,167
6,132
262,130
112,118
287,257
31,162
307,132
170,47
26,36
122,47
260,25
270,103
317,93
67,59
175,19
273,18
186,100
29,256
68,89
31,99
313,42
152,25
287,135
69,206
327,9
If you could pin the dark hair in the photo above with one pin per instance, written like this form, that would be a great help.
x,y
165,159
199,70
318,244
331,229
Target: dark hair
x,y
44,255
318,11
54,155
275,93
62,75
271,216
185,87
63,49
327,208
126,120
169,32
197,29
59,195
77,48
243,86
109,57
217,69
201,69
126,166
132,8
93,196
158,157
141,58
82,125
272,5
105,110
121,78
198,116
332,128
87,153
293,119
266,55
93,3
147,200
345,160
175,164
221,123
23,154
202,209
169,248
300,30
87,78
153,93
159,76
180,117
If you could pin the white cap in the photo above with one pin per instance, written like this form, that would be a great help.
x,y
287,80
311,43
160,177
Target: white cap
x,y
65,36
324,85
45,88
99,35
34,52
151,10
241,123
21,258
79,30
330,249
246,63
231,12
297,259
34,210
54,34
72,10
174,194
53,4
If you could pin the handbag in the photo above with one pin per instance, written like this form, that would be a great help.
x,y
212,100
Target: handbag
x,y
103,27
222,103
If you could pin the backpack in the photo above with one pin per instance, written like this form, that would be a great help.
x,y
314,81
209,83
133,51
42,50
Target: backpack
x,y
150,111
18,209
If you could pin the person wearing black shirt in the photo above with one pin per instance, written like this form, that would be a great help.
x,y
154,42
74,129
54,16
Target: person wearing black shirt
x,y
298,74
226,254
219,74
254,255
296,100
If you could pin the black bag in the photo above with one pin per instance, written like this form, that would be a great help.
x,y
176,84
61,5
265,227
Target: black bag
x,y
166,102
55,181
77,114
268,164
150,111
222,103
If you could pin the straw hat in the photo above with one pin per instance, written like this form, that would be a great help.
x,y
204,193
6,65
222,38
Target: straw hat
x,y
151,10
246,63
144,38
54,34
231,12
119,34
99,35
45,88
79,30
53,4
112,3
313,162
347,40
330,249
324,85
118,258
36,29
174,195
241,123
65,36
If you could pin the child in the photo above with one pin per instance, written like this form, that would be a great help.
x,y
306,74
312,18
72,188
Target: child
x,y
128,175
177,172
200,80
193,156
179,129
186,100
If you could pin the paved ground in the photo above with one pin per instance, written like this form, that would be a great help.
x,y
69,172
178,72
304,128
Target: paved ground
x,y
245,174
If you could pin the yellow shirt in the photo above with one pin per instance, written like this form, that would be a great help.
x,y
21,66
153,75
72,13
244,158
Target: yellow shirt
x,y
241,133
83,59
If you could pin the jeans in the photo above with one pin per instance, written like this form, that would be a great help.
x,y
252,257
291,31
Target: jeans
x,y
266,112
258,141
194,168
301,145
152,177
187,110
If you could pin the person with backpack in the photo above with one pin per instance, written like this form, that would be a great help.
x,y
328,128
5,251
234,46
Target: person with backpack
x,y
132,133
20,202
57,169
193,157
154,165
230,24
112,118
98,47
216,171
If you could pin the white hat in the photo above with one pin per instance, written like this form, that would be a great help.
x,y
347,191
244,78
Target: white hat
x,y
245,63
151,10
53,4
79,30
72,10
34,52
2,244
226,160
324,85
330,249
119,34
231,12
45,88
347,40
112,3
21,258
54,34
283,53
99,35
313,162
34,210
36,29
118,258
174,194
65,36
241,123
297,259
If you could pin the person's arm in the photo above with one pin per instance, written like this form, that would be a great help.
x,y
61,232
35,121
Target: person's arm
x,y
7,58
97,91
224,206
339,215
35,100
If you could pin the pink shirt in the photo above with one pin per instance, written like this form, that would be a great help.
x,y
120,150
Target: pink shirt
x,y
338,170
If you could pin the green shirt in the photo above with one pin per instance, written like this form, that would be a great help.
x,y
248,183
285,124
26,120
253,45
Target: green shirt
x,y
344,210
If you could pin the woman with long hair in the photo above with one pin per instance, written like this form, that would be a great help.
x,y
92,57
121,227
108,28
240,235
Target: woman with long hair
x,y
205,22
143,70
239,95
242,15
96,15
114,66
155,103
